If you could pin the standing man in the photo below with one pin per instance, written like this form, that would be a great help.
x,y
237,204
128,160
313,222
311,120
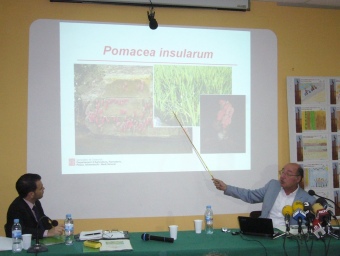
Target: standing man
x,y
274,195
27,208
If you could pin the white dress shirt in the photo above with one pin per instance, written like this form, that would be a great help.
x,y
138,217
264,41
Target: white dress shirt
x,y
281,201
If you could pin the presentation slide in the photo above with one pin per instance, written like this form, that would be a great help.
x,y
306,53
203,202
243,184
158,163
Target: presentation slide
x,y
122,88
114,102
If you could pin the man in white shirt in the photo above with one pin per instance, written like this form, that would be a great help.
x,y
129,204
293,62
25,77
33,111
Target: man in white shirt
x,y
274,195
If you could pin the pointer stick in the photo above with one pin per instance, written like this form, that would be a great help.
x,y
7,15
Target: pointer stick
x,y
197,153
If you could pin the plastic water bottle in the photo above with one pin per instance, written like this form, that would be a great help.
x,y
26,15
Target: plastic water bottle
x,y
16,236
209,220
69,229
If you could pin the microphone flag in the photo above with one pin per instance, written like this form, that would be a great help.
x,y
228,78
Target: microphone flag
x,y
298,214
321,214
307,208
318,231
321,220
298,210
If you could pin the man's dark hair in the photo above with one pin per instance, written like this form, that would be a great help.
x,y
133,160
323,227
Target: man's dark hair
x,y
27,183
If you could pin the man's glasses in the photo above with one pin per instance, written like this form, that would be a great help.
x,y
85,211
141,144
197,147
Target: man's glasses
x,y
282,172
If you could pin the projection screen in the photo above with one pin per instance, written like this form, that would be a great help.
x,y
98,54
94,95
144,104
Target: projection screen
x,y
121,115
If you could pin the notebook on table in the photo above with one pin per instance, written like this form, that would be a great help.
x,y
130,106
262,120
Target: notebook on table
x,y
256,226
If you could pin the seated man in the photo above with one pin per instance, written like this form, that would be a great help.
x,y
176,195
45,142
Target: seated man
x,y
27,208
274,195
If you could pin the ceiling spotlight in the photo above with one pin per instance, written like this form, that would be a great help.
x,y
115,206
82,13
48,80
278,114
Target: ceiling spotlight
x,y
152,21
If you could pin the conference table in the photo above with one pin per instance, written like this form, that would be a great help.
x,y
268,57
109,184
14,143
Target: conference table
x,y
218,244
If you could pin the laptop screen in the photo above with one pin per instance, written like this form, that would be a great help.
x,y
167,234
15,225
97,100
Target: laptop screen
x,y
256,226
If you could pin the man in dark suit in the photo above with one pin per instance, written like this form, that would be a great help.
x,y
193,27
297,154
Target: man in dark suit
x,y
27,208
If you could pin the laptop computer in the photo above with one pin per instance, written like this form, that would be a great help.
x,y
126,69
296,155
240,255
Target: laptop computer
x,y
256,226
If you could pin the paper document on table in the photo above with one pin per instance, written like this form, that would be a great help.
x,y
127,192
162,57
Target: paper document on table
x,y
116,245
5,243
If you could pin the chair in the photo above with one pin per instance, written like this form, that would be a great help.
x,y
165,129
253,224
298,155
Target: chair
x,y
255,214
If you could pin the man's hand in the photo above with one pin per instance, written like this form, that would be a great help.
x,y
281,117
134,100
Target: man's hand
x,y
55,231
220,185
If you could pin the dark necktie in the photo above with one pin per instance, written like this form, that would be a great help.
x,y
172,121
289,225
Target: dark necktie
x,y
37,216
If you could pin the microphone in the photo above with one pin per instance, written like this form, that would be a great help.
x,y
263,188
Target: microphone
x,y
321,213
323,202
39,247
147,237
54,223
287,212
298,214
312,193
309,216
320,217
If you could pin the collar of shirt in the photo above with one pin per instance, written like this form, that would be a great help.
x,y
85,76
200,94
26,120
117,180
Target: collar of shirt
x,y
276,211
29,204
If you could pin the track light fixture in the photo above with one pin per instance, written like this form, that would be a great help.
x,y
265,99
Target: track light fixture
x,y
151,16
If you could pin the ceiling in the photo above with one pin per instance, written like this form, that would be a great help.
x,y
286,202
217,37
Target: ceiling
x,y
231,4
330,4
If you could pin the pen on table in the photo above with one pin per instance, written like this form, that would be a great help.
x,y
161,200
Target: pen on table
x,y
92,234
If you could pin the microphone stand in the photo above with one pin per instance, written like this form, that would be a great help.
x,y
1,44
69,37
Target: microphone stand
x,y
287,233
299,222
329,229
38,247
300,227
287,225
283,234
330,232
309,225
